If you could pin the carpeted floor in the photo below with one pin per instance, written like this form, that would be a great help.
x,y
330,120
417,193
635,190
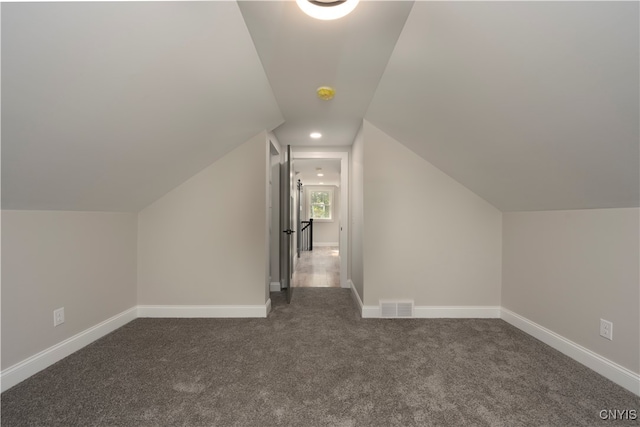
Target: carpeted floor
x,y
316,363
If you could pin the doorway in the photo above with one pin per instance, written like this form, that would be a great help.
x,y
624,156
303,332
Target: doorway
x,y
323,198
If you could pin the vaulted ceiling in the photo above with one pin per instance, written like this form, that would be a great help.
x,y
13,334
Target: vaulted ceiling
x,y
532,105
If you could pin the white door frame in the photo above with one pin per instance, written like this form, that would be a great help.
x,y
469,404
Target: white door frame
x,y
273,149
344,202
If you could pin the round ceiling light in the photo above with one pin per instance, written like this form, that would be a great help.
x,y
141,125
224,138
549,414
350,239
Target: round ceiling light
x,y
315,135
326,93
327,9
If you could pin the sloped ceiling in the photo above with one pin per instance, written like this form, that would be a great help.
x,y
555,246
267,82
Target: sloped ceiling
x,y
107,106
300,54
531,105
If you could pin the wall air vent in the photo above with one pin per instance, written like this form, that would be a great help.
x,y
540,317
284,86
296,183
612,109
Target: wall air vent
x,y
396,309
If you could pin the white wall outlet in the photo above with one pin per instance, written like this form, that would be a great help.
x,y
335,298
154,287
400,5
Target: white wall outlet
x,y
58,316
606,329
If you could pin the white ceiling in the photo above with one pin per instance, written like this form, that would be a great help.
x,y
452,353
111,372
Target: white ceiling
x,y
306,171
300,54
532,105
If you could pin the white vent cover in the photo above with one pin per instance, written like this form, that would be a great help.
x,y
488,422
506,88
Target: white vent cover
x,y
396,309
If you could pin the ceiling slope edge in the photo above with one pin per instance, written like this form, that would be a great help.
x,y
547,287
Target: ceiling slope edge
x,y
367,122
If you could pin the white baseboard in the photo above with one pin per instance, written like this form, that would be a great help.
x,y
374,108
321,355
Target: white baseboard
x,y
173,311
605,367
355,295
441,312
274,287
36,363
456,312
325,244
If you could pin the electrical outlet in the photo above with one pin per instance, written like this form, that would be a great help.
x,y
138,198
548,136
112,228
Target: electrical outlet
x,y
606,329
58,316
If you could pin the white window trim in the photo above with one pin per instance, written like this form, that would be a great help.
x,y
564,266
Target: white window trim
x,y
307,195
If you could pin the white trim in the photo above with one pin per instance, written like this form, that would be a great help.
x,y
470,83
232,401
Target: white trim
x,y
456,312
307,206
355,295
325,244
274,287
442,312
605,367
214,311
42,360
36,363
370,312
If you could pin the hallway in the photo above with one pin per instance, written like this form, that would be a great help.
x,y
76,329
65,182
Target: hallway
x,y
319,268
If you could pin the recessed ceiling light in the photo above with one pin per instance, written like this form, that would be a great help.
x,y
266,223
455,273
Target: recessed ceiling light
x,y
327,9
320,174
315,135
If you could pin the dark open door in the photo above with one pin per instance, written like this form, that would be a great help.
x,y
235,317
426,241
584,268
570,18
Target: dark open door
x,y
299,219
287,226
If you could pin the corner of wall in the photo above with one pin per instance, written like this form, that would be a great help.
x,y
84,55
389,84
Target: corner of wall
x,y
204,234
428,238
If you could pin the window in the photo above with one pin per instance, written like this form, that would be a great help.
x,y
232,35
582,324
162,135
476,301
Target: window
x,y
320,202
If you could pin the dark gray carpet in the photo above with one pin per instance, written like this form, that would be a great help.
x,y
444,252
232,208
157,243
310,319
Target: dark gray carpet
x,y
315,363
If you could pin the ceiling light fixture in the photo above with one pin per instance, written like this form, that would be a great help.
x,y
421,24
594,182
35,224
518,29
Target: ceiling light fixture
x,y
326,93
327,10
320,174
315,135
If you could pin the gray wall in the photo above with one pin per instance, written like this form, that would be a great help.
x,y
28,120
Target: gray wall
x,y
82,261
565,270
205,242
426,237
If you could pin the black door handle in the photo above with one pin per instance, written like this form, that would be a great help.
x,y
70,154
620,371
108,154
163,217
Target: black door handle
x,y
288,231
